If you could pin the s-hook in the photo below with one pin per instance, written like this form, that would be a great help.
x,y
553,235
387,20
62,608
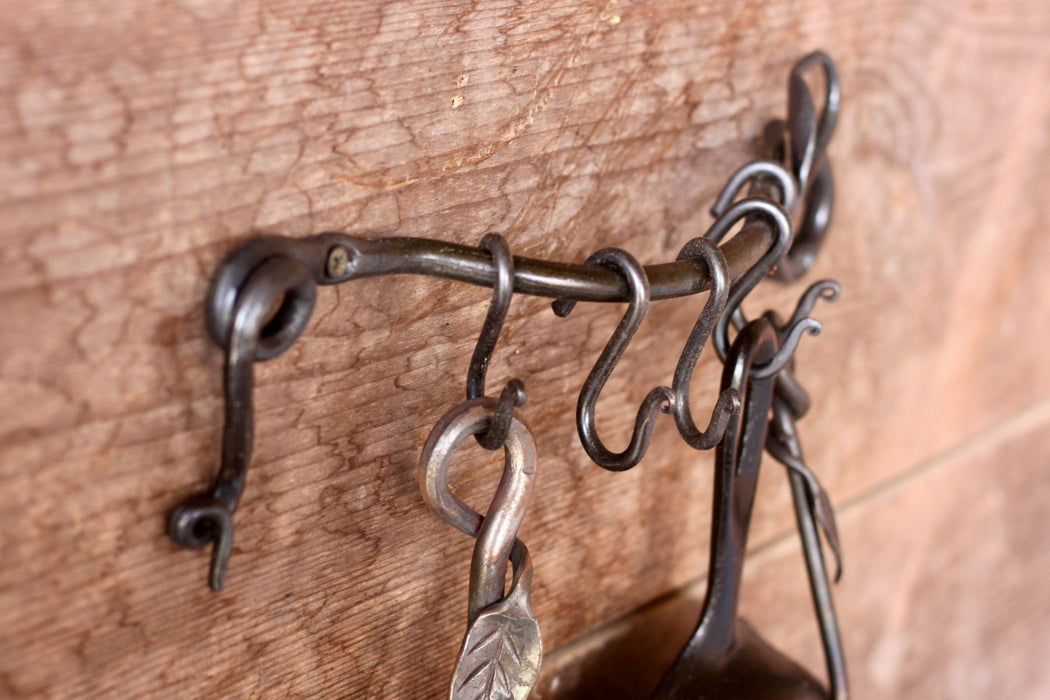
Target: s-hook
x,y
502,649
513,393
729,400
659,399
777,218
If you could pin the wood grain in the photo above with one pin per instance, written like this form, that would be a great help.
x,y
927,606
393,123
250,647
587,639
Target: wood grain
x,y
141,142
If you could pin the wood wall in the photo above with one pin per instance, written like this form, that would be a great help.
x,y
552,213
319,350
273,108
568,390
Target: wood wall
x,y
141,141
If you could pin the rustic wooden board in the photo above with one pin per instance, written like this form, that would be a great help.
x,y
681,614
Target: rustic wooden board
x,y
948,602
139,143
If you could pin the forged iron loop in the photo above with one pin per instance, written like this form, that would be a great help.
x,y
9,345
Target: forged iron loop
x,y
801,130
802,140
729,400
778,221
513,394
208,517
295,305
658,400
496,532
809,136
749,172
829,116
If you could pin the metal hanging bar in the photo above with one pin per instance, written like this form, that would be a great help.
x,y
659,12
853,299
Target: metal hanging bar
x,y
248,301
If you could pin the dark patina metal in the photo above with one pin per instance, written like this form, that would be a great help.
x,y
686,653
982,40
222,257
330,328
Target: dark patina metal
x,y
513,394
263,295
725,658
658,400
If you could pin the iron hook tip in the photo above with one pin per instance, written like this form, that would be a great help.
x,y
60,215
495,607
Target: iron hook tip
x,y
201,520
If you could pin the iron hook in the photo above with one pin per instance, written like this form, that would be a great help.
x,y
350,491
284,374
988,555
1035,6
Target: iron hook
x,y
772,212
729,400
660,399
513,394
755,169
790,338
828,290
829,116
792,331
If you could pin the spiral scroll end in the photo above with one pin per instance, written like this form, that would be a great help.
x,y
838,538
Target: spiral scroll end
x,y
201,520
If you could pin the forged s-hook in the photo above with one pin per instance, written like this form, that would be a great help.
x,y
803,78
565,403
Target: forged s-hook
x,y
775,215
660,399
729,400
513,393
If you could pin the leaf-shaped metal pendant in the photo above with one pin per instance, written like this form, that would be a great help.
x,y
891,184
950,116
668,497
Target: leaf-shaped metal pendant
x,y
501,654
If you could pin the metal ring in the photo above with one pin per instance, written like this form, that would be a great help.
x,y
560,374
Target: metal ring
x,y
294,294
466,419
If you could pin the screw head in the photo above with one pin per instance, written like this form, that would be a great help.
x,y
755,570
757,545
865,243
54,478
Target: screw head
x,y
338,261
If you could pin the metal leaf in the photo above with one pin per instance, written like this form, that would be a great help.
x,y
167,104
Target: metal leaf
x,y
501,653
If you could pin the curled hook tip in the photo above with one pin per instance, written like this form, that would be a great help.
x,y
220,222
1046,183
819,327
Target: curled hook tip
x,y
831,293
562,307
667,398
516,387
829,290
732,402
786,351
201,520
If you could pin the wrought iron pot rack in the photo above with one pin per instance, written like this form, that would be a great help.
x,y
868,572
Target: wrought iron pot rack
x,y
263,295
